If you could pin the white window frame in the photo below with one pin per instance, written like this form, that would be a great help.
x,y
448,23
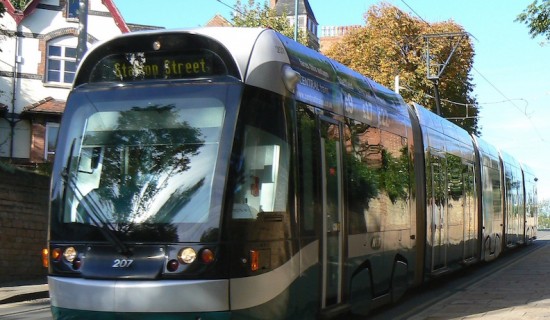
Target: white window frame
x,y
64,44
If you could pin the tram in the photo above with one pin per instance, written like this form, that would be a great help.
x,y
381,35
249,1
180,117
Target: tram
x,y
232,173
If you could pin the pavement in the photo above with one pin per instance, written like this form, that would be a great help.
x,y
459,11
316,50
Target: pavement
x,y
18,292
519,290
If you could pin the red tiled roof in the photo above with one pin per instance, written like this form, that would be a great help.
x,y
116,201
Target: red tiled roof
x,y
218,21
47,105
19,15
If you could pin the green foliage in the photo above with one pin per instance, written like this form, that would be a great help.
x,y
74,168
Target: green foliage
x,y
544,214
393,176
537,17
363,182
44,169
392,43
20,4
261,15
5,166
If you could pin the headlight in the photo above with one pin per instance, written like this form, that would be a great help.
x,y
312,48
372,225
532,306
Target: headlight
x,y
187,255
70,254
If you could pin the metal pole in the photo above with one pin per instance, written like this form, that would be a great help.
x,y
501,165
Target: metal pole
x,y
16,61
396,84
82,30
295,20
436,94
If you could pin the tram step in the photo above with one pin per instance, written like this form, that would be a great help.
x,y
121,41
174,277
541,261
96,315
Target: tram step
x,y
335,311
470,261
439,272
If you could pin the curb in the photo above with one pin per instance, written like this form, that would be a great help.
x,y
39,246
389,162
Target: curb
x,y
26,297
23,293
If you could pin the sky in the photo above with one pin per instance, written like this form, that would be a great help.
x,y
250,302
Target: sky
x,y
511,70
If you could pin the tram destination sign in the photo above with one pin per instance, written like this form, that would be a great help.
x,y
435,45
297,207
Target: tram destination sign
x,y
142,66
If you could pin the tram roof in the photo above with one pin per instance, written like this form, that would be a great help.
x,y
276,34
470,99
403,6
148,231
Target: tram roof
x,y
439,124
509,159
488,153
260,53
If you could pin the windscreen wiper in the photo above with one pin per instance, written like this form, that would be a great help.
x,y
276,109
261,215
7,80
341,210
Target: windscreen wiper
x,y
91,207
97,217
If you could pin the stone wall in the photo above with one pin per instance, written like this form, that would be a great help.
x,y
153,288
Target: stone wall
x,y
23,224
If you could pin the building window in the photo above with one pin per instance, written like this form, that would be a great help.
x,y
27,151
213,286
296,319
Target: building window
x,y
291,21
61,64
72,9
51,140
302,22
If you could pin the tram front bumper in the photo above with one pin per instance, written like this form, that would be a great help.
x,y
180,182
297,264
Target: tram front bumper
x,y
131,296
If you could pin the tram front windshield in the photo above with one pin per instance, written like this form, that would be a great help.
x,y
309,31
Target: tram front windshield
x,y
141,163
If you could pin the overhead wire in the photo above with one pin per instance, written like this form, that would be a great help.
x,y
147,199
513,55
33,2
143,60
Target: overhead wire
x,y
511,101
524,111
419,16
232,7
466,105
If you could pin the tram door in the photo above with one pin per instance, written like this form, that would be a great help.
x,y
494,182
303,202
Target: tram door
x,y
437,197
332,235
470,213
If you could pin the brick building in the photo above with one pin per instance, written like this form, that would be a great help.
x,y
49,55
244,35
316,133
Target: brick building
x,y
38,64
37,67
306,18
330,35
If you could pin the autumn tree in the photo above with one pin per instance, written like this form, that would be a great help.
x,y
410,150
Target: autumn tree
x,y
537,17
392,43
255,14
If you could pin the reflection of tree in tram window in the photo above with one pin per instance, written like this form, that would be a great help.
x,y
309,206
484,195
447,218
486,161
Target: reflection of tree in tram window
x,y
141,162
144,166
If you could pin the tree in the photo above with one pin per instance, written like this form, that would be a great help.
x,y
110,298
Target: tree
x,y
261,15
544,214
392,43
19,4
537,17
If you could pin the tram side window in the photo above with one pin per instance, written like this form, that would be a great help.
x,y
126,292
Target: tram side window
x,y
362,158
531,194
396,180
487,192
455,189
263,168
265,178
378,178
307,167
496,193
514,196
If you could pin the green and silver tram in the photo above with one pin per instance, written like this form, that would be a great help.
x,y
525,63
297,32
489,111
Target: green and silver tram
x,y
227,173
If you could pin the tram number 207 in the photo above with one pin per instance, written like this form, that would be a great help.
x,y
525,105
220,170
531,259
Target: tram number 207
x,y
122,263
